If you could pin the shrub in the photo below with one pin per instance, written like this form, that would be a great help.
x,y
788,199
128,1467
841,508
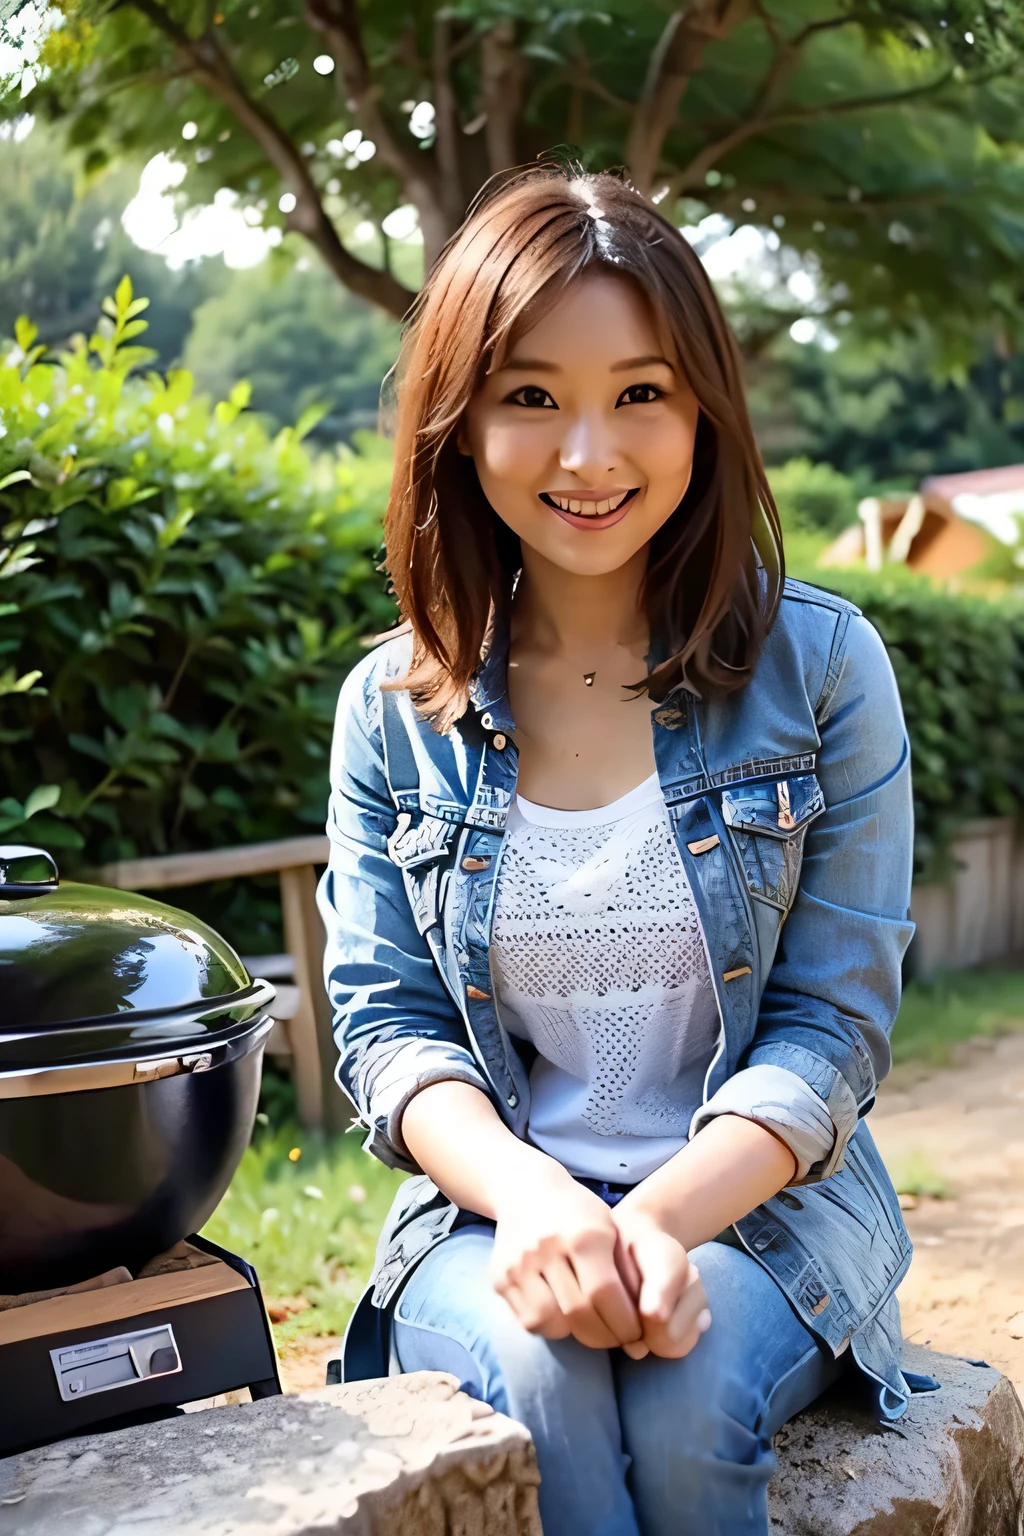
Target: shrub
x,y
815,498
959,662
180,598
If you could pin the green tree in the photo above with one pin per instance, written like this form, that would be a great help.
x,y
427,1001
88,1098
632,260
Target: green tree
x,y
883,136
886,411
299,339
62,247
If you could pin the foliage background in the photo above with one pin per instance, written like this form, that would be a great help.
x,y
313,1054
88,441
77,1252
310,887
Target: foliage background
x,y
959,663
180,597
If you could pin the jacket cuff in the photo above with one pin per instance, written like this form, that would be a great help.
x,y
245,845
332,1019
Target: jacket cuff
x,y
411,1068
828,1083
782,1101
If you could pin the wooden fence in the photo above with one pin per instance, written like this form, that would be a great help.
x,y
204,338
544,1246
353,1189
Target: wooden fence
x,y
978,914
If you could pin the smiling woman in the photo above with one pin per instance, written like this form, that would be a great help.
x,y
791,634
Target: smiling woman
x,y
573,803
624,412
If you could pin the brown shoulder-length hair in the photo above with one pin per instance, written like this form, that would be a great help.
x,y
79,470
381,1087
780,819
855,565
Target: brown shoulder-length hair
x,y
715,568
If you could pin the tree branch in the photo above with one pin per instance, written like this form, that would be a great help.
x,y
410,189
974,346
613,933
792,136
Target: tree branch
x,y
210,66
578,74
677,56
338,22
694,173
501,93
786,57
446,123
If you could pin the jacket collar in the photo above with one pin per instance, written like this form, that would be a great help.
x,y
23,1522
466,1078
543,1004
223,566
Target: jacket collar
x,y
488,691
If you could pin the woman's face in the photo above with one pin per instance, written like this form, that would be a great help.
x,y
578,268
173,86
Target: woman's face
x,y
583,440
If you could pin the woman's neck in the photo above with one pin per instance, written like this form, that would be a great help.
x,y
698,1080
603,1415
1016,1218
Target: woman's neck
x,y
563,614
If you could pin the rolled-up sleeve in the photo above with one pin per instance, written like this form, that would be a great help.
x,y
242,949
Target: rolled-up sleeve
x,y
833,992
781,1101
396,1028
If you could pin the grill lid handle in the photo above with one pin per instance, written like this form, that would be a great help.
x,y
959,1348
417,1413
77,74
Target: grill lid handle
x,y
26,871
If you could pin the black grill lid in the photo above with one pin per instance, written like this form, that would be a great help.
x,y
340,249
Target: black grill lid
x,y
76,955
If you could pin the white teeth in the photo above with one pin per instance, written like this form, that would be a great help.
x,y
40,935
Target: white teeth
x,y
588,508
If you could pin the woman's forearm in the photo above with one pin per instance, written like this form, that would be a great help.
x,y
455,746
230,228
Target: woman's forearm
x,y
726,1171
455,1134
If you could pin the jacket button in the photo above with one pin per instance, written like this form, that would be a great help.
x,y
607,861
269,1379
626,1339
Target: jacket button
x,y
499,742
513,1100
487,721
473,863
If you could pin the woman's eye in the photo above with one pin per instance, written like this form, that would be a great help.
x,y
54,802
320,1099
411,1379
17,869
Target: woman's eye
x,y
639,394
533,396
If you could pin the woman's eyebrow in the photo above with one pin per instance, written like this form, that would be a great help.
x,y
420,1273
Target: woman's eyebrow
x,y
641,362
539,365
528,365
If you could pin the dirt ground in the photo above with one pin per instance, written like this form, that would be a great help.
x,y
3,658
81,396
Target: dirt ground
x,y
964,1125
304,1363
965,1289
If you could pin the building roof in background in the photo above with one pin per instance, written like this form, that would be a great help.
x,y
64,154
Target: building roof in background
x,y
993,498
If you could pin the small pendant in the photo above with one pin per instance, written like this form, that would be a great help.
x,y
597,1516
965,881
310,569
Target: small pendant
x,y
588,678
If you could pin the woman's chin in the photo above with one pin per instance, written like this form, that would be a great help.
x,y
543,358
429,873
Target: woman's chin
x,y
586,553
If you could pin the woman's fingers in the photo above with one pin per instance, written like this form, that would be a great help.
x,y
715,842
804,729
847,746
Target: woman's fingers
x,y
636,1351
534,1304
664,1269
691,1317
607,1297
593,1300
673,1307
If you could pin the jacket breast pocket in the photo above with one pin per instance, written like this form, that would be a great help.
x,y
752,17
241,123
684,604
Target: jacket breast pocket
x,y
768,824
420,848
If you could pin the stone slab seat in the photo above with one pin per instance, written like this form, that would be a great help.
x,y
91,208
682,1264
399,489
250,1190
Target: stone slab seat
x,y
413,1456
953,1466
410,1456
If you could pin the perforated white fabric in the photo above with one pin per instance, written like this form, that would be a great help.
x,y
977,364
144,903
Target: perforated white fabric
x,y
599,961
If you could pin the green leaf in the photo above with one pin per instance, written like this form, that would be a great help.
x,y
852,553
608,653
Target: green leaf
x,y
15,476
11,683
42,799
311,416
25,332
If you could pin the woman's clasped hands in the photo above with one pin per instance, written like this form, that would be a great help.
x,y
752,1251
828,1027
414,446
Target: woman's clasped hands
x,y
567,1264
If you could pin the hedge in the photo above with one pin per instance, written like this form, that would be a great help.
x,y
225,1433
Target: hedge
x,y
180,598
959,662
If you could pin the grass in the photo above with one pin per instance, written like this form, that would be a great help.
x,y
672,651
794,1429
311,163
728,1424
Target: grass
x,y
915,1175
306,1212
939,1014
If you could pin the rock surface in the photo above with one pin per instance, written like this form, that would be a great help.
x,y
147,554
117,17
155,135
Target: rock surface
x,y
412,1456
953,1466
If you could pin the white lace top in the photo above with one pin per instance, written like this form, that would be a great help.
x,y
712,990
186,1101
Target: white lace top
x,y
599,961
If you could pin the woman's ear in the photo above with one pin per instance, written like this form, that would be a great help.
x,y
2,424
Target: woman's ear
x,y
462,439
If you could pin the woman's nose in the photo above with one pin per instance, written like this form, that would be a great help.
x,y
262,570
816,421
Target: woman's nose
x,y
588,446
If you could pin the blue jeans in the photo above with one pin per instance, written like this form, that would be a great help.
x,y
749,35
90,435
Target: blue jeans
x,y
626,1447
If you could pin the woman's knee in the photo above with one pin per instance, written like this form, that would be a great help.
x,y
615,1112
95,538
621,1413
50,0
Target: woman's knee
x,y
717,1402
449,1317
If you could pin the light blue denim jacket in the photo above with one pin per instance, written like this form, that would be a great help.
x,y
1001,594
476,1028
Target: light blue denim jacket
x,y
790,804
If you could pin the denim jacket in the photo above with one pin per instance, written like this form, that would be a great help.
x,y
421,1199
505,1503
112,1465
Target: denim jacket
x,y
790,804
